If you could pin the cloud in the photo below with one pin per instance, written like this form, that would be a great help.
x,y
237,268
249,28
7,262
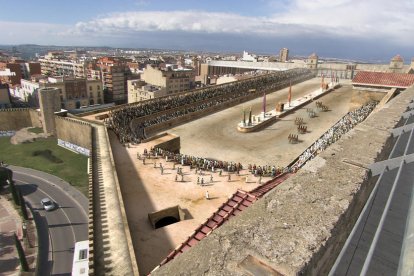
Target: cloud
x,y
367,19
298,24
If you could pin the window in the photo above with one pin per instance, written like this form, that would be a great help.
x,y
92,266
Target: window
x,y
90,88
83,254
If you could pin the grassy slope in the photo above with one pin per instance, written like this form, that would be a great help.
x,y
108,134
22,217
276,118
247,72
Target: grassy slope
x,y
72,169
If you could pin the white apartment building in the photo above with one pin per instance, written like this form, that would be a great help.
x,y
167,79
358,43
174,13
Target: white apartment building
x,y
139,90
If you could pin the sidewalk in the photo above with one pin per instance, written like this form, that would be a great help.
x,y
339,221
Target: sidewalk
x,y
10,223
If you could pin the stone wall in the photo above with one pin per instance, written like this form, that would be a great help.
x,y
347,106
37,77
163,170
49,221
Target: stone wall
x,y
173,144
300,226
74,131
361,97
18,118
151,130
35,118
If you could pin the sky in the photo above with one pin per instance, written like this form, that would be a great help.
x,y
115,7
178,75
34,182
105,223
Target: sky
x,y
365,29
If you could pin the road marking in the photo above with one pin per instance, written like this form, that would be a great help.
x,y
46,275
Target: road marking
x,y
54,185
67,217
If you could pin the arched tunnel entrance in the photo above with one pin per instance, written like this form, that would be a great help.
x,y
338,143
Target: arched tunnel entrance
x,y
166,217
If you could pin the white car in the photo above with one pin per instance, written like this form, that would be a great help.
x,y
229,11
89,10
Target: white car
x,y
48,204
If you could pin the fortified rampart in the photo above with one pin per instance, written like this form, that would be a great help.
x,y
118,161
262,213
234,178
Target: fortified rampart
x,y
18,118
74,131
300,226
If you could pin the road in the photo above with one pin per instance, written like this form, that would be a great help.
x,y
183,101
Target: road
x,y
58,230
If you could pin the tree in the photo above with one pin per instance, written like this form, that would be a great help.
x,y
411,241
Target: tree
x,y
13,191
22,205
22,256
5,174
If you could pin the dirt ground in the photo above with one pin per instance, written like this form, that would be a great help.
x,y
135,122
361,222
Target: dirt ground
x,y
25,136
145,190
216,136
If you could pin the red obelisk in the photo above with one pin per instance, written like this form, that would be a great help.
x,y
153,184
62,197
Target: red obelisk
x,y
290,93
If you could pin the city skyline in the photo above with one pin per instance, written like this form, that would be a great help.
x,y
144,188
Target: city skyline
x,y
367,30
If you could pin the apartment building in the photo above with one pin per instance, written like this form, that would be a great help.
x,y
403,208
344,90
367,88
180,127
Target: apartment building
x,y
4,96
20,69
139,90
173,79
74,92
114,73
56,64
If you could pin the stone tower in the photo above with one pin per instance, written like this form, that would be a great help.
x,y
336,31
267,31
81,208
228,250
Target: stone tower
x,y
397,64
49,101
312,62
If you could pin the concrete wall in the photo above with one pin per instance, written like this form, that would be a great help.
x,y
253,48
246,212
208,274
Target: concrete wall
x,y
74,131
18,118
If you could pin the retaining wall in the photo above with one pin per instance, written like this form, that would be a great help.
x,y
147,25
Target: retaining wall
x,y
74,131
361,97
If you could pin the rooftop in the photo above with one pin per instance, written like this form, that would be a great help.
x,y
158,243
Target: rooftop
x,y
398,80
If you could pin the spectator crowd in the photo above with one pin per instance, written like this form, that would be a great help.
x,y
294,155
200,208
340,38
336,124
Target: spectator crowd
x,y
163,109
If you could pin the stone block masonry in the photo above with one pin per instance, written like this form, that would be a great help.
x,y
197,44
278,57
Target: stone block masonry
x,y
18,118
74,131
300,226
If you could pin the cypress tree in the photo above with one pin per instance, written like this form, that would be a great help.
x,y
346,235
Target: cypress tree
x,y
23,205
22,256
13,191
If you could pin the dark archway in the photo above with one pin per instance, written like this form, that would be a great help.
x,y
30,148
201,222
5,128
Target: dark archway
x,y
165,221
78,104
91,102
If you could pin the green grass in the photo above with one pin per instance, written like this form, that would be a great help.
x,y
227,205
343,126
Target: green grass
x,y
45,155
36,130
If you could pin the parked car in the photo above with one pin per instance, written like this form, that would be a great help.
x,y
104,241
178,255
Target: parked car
x,y
48,204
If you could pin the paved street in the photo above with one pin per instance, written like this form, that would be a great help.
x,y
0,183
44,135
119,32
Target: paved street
x,y
64,226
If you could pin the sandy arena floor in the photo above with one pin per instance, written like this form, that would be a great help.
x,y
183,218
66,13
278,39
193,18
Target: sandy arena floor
x,y
216,136
145,190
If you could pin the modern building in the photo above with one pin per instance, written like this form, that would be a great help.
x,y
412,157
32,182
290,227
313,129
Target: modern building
x,y
19,69
173,79
248,57
74,93
283,54
114,75
139,90
56,64
4,96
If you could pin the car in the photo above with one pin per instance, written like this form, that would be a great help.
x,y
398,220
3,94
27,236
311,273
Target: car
x,y
48,204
